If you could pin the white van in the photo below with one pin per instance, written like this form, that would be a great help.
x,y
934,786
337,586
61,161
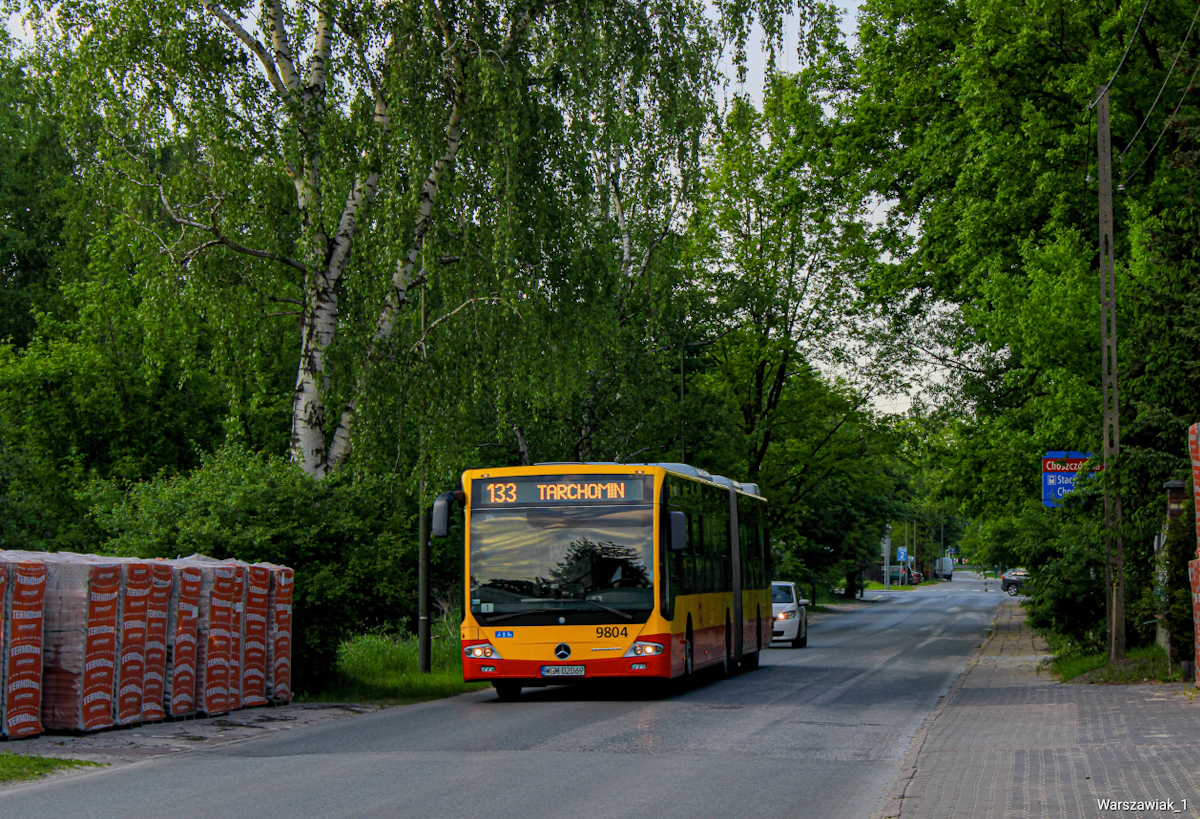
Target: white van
x,y
943,567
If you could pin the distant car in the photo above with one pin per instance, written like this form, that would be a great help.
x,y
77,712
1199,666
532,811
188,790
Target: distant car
x,y
789,621
1012,580
943,567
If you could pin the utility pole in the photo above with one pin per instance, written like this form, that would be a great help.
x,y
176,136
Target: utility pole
x,y
1114,557
423,636
887,558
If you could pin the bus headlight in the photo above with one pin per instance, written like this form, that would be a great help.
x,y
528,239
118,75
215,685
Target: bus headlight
x,y
642,649
483,651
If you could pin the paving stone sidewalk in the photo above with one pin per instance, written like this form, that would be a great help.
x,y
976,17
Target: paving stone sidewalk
x,y
1007,740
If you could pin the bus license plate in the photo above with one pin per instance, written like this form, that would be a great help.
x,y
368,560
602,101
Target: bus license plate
x,y
562,671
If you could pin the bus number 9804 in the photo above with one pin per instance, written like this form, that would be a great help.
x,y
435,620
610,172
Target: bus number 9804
x,y
612,631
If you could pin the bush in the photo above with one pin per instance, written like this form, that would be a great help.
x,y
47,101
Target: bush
x,y
350,538
373,667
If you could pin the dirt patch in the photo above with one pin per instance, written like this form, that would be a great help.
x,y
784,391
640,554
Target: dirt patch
x,y
1129,671
121,745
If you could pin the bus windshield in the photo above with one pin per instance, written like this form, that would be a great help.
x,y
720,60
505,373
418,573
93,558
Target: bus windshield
x,y
539,560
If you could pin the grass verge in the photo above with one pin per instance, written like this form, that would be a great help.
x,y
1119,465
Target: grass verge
x,y
1147,664
21,768
873,586
382,668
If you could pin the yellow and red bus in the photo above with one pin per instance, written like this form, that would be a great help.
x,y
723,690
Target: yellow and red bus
x,y
583,571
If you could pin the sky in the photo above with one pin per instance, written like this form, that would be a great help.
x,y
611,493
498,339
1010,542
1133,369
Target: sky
x,y
756,56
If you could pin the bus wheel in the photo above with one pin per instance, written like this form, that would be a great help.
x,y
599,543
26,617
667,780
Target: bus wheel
x,y
507,690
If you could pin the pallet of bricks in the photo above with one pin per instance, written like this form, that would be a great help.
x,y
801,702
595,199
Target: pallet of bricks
x,y
88,642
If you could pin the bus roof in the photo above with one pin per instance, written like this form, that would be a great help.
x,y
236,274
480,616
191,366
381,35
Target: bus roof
x,y
683,470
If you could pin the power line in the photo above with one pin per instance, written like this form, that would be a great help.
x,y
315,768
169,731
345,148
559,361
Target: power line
x,y
1162,87
1128,46
1161,133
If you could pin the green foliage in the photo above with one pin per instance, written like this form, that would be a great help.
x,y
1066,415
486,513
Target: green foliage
x,y
383,667
1068,667
15,767
351,540
1142,665
33,191
972,118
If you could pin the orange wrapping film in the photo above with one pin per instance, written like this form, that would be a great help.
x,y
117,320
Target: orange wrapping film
x,y
254,641
131,641
1194,577
281,634
181,640
100,653
22,599
236,626
155,671
79,653
88,642
4,652
1194,565
213,686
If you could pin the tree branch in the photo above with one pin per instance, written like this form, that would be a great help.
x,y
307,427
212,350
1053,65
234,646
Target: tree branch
x,y
268,65
322,51
220,238
279,41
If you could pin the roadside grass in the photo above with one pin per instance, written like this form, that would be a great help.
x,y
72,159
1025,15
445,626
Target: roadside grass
x,y
382,668
1068,667
16,767
876,586
1146,664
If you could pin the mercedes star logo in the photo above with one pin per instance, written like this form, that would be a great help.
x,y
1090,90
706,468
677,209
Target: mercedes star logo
x,y
562,651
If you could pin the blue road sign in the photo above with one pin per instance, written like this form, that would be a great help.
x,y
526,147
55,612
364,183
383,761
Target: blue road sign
x,y
902,554
1058,475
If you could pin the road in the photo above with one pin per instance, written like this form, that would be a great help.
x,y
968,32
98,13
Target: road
x,y
815,733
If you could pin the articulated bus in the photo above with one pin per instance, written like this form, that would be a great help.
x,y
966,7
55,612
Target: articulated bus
x,y
585,571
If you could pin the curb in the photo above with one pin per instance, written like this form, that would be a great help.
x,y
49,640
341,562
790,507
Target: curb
x,y
894,801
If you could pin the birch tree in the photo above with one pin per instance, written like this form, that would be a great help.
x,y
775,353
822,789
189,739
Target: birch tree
x,y
314,162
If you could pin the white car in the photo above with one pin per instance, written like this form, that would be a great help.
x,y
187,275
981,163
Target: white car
x,y
789,621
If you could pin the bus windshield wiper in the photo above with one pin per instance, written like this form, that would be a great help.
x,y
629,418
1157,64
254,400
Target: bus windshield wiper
x,y
495,618
609,609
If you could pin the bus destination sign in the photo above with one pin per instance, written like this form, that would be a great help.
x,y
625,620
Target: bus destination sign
x,y
556,490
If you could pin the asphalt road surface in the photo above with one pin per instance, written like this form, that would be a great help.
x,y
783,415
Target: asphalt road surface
x,y
814,733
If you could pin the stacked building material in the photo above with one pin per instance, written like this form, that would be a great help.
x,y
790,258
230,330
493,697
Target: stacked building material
x,y
22,598
237,633
255,631
280,638
182,615
80,650
213,634
154,679
131,641
87,642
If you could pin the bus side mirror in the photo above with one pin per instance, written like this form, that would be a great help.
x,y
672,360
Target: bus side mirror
x,y
441,513
678,531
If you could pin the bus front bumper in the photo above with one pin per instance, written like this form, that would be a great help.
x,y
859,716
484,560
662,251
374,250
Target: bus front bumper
x,y
555,671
